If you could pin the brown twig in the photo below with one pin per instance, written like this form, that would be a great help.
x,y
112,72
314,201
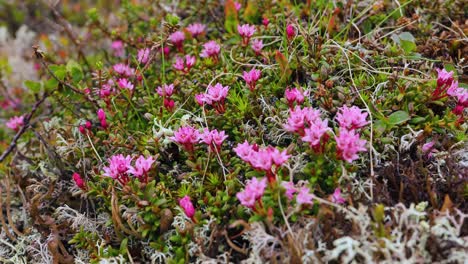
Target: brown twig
x,y
20,132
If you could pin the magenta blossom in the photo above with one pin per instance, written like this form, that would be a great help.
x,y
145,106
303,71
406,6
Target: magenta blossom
x,y
351,117
246,31
237,5
214,139
123,69
257,46
142,166
184,65
265,22
294,95
300,118
165,90
143,55
118,48
196,29
251,78
349,144
314,134
187,205
124,83
304,196
290,31
290,189
102,117
215,97
429,149
15,122
444,82
186,136
264,159
337,198
253,191
79,181
118,167
211,49
177,38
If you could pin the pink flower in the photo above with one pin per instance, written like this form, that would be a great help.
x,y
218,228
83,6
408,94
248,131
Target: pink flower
x,y
217,93
187,205
243,151
444,77
118,167
257,46
15,122
184,65
213,138
200,98
294,95
351,117
428,146
177,38
246,31
102,117
295,122
187,136
253,191
315,132
123,69
278,157
290,31
124,83
290,189
196,29
337,198
88,124
142,166
304,196
210,49
82,130
261,160
143,55
265,22
349,144
237,5
105,91
169,104
251,78
79,181
165,90
118,48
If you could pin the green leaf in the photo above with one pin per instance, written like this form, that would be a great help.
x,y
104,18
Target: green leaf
x,y
408,46
59,71
75,71
398,117
35,87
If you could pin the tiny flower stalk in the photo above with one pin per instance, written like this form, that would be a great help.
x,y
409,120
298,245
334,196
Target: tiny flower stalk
x,y
246,31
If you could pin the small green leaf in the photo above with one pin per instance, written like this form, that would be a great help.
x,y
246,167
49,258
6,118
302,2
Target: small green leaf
x,y
35,87
75,71
398,117
59,71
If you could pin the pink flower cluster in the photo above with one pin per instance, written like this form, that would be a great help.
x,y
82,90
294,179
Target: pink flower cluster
x,y
211,50
461,95
446,85
348,142
303,193
215,97
123,70
124,83
265,159
79,181
166,91
184,65
118,48
246,31
290,31
196,29
86,128
177,38
187,136
257,46
15,122
294,95
120,167
337,198
102,117
253,192
214,139
351,117
143,55
308,124
251,77
187,205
